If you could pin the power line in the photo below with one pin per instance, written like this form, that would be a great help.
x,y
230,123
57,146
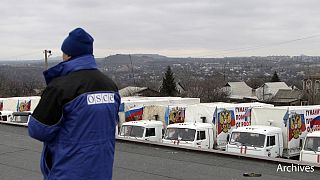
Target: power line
x,y
249,48
279,43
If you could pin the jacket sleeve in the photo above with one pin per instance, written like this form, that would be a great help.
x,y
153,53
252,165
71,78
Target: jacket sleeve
x,y
43,124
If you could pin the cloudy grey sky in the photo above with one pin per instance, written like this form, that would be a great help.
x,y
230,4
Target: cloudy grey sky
x,y
179,28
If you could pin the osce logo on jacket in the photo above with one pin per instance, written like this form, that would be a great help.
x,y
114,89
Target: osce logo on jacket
x,y
100,98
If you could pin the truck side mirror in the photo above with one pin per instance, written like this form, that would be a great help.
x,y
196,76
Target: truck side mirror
x,y
203,119
228,137
319,149
300,143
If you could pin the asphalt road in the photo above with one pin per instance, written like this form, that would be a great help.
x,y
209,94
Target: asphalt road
x,y
20,156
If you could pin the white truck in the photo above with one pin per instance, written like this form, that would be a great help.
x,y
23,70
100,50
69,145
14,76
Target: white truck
x,y
311,148
190,134
21,117
223,116
257,140
149,130
275,132
6,116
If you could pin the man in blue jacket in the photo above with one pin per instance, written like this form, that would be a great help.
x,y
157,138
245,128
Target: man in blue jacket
x,y
76,116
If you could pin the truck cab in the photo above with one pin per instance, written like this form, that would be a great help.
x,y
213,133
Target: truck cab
x,y
190,134
150,130
6,116
21,117
311,148
256,140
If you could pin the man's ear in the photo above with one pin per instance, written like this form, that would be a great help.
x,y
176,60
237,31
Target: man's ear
x,y
66,57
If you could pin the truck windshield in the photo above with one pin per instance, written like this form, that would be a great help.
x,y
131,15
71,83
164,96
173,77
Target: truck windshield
x,y
3,118
183,134
248,139
20,119
133,131
312,144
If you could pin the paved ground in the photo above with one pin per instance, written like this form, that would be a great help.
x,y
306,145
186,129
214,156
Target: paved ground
x,y
19,160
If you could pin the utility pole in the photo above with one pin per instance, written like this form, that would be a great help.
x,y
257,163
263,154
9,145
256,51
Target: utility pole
x,y
47,53
224,72
132,73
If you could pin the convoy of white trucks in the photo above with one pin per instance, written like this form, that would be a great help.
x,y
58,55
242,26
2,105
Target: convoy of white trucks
x,y
246,128
263,130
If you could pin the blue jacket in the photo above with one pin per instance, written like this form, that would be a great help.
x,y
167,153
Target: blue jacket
x,y
76,119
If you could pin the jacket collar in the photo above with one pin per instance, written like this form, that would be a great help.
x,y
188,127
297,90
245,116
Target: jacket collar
x,y
66,67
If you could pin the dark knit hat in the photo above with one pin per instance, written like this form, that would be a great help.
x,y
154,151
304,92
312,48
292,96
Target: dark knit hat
x,y
78,43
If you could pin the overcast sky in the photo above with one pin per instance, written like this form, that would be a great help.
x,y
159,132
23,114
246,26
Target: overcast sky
x,y
179,28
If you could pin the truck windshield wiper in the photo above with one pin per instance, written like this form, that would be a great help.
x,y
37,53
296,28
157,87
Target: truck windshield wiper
x,y
250,145
246,144
134,136
236,143
311,150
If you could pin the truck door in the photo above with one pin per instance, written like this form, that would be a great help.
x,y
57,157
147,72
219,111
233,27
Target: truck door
x,y
310,151
202,139
151,134
272,146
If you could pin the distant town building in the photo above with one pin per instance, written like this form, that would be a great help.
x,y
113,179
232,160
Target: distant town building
x,y
268,90
138,91
311,88
239,92
180,88
289,97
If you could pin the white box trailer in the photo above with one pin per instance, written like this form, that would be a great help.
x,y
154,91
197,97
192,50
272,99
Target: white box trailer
x,y
128,105
156,112
152,107
168,114
20,104
202,112
293,121
1,103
